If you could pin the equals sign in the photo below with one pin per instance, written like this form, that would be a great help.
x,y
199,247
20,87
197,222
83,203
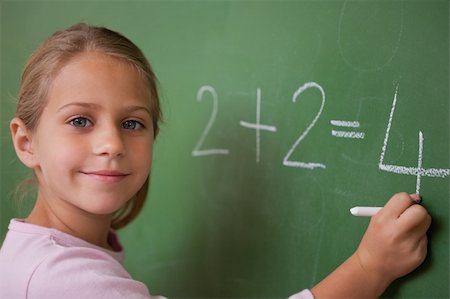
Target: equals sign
x,y
346,134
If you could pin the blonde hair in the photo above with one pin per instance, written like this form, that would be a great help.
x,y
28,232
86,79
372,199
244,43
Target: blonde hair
x,y
54,53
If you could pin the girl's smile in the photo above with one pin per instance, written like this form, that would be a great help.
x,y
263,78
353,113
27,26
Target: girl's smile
x,y
106,176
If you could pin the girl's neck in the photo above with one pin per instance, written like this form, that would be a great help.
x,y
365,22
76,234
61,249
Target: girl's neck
x,y
69,219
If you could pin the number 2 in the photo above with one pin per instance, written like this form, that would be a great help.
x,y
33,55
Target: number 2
x,y
308,165
198,152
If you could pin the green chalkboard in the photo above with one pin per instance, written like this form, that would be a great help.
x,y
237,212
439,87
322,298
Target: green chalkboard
x,y
279,117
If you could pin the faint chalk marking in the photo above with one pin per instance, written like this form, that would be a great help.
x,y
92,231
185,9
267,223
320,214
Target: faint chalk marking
x,y
374,68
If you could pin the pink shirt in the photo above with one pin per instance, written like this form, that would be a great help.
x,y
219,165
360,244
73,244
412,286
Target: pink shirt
x,y
39,262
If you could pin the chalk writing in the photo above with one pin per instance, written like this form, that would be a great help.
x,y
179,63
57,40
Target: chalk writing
x,y
346,134
415,171
418,171
345,123
307,165
197,152
258,126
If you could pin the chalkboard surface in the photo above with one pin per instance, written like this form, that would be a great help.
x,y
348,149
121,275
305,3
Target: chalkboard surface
x,y
279,117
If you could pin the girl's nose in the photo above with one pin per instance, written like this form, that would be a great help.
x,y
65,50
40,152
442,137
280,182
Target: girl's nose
x,y
109,142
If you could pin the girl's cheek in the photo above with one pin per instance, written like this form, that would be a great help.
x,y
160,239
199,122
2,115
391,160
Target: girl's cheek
x,y
144,154
65,150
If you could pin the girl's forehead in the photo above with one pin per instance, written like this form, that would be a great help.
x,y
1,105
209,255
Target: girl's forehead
x,y
95,76
91,60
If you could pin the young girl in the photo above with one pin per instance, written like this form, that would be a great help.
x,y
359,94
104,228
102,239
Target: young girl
x,y
87,115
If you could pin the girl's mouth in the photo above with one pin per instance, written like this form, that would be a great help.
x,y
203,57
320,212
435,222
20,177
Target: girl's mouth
x,y
108,176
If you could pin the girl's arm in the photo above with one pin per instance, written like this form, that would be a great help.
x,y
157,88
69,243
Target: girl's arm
x,y
394,244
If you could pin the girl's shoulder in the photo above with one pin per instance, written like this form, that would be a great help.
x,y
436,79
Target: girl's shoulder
x,y
23,238
42,261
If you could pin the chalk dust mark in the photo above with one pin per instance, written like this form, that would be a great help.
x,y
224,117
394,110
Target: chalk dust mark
x,y
371,45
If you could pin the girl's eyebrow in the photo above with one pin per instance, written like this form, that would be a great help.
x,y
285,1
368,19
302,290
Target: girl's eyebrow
x,y
130,108
79,104
138,108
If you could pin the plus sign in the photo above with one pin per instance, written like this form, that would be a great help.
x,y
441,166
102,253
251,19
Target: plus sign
x,y
257,126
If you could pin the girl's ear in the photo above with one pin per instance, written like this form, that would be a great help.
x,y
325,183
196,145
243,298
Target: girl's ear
x,y
22,141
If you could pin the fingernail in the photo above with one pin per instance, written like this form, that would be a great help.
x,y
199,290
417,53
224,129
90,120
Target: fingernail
x,y
416,198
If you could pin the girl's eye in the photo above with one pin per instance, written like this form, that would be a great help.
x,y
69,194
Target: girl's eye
x,y
80,122
132,125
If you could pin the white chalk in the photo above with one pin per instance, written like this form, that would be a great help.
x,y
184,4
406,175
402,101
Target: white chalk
x,y
364,211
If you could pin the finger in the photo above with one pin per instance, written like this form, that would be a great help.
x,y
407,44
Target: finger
x,y
397,205
416,198
415,218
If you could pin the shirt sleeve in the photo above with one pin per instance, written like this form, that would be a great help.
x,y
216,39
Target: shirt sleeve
x,y
84,273
305,294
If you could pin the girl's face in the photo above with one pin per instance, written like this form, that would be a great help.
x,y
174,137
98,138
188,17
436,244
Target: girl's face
x,y
93,144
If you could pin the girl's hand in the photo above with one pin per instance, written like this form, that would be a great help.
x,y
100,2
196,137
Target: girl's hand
x,y
395,242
